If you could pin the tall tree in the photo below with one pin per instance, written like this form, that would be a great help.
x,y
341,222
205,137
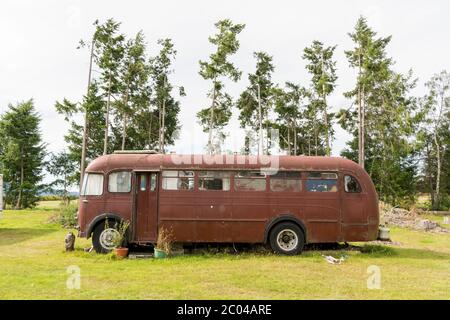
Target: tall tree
x,y
61,166
93,106
322,68
109,51
435,133
134,88
256,101
218,67
167,108
22,154
369,58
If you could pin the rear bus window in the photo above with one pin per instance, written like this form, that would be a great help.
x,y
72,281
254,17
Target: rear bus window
x,y
286,181
321,182
92,184
351,184
178,180
250,181
119,181
214,180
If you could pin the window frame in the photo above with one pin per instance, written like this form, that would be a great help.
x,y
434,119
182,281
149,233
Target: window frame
x,y
85,181
131,181
177,176
307,178
235,178
298,178
198,177
357,181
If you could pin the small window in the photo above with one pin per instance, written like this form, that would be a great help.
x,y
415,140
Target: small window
x,y
214,180
250,181
119,181
178,180
321,182
153,182
143,184
351,184
92,184
288,181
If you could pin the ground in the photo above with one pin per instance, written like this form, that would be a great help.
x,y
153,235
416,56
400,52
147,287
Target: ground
x,y
34,265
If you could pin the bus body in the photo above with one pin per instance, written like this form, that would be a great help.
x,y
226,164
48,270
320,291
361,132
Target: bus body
x,y
286,201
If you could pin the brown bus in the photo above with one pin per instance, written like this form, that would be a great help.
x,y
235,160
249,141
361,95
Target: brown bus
x,y
285,201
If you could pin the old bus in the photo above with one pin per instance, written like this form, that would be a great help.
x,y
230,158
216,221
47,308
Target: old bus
x,y
284,201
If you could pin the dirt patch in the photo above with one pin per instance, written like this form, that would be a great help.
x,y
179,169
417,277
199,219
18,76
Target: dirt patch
x,y
392,216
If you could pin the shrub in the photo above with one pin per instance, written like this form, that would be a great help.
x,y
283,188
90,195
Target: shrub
x,y
67,215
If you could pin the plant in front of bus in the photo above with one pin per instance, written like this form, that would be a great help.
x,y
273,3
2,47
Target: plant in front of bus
x,y
164,243
120,237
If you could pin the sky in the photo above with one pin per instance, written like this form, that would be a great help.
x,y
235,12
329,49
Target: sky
x,y
39,59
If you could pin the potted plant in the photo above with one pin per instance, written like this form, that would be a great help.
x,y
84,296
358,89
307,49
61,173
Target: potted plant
x,y
163,246
120,251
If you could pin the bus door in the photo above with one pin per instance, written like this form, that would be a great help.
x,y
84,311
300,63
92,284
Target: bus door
x,y
146,214
353,216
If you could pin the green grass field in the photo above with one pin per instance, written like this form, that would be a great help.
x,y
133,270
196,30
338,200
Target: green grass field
x,y
33,265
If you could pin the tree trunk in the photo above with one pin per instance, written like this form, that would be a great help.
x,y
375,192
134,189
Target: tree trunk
x,y
289,140
163,127
211,118
108,103
260,143
19,198
125,118
295,139
85,126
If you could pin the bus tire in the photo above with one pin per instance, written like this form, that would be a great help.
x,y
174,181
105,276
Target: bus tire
x,y
102,236
287,238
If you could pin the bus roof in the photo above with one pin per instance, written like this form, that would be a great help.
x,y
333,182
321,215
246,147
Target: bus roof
x,y
146,162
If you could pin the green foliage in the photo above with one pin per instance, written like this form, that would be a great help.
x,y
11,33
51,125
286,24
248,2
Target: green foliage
x,y
62,167
22,155
67,214
214,118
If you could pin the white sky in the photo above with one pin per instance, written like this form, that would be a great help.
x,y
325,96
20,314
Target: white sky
x,y
39,60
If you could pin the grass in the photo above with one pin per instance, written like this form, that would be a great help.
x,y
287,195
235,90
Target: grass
x,y
33,265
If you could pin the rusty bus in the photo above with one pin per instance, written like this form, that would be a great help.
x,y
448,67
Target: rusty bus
x,y
283,201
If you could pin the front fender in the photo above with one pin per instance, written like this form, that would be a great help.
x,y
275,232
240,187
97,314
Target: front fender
x,y
97,219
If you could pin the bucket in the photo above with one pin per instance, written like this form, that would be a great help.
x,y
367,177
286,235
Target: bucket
x,y
159,254
383,234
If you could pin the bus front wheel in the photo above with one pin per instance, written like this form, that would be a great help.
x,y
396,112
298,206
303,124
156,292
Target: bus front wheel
x,y
103,237
287,238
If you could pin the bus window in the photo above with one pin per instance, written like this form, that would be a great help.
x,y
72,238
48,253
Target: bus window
x,y
92,184
321,182
178,180
288,181
214,180
250,181
153,182
351,184
143,184
119,181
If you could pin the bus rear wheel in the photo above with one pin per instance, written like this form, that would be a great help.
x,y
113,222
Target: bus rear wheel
x,y
287,238
103,237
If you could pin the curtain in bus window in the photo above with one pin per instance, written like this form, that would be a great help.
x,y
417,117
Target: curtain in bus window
x,y
214,180
119,181
286,181
93,184
250,181
178,180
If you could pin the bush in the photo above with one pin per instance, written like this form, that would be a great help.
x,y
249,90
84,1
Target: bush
x,y
67,215
55,197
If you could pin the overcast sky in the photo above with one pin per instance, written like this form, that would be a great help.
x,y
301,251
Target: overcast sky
x,y
39,60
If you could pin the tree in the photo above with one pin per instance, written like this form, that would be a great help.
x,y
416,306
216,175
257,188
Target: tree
x,y
93,106
257,100
323,71
385,122
218,114
134,89
435,133
292,118
369,58
61,166
167,108
22,154
109,52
